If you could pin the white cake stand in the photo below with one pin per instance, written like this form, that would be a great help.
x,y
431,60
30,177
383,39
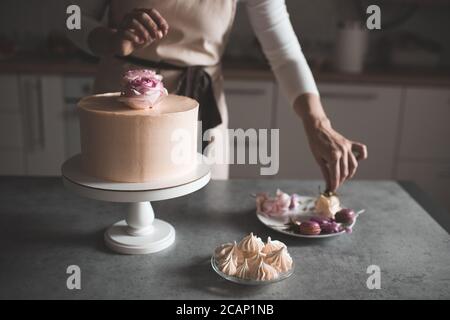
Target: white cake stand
x,y
140,232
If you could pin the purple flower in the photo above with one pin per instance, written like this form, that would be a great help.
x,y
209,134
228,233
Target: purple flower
x,y
142,89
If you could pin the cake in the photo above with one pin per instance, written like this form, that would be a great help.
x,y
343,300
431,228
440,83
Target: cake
x,y
141,134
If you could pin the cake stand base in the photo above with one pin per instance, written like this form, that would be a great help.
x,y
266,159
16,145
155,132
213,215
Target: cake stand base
x,y
118,239
140,232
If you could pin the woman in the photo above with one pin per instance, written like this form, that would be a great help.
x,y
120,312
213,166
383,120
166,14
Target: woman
x,y
171,35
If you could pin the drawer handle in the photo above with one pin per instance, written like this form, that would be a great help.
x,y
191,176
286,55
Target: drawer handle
x,y
349,96
246,92
41,125
34,118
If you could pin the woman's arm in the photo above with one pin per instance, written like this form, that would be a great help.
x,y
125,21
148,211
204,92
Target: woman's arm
x,y
336,155
332,151
270,21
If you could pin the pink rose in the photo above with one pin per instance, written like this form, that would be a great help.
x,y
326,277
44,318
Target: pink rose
x,y
142,89
283,201
260,199
278,205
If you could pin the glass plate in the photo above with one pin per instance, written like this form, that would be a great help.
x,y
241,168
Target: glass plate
x,y
281,276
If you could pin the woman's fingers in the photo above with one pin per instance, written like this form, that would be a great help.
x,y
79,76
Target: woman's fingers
x,y
139,29
160,21
154,21
325,173
352,165
129,35
130,25
360,150
334,169
343,167
146,20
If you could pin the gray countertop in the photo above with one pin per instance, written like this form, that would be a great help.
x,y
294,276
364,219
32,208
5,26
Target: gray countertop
x,y
45,228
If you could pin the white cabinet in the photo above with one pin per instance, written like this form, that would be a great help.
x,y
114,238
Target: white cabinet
x,y
296,160
11,127
432,177
250,103
369,114
250,106
75,88
426,129
31,126
42,109
424,155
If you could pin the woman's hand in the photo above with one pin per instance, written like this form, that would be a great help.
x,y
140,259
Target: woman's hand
x,y
336,155
138,29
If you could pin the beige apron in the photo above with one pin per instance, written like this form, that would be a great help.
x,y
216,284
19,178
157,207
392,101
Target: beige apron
x,y
198,30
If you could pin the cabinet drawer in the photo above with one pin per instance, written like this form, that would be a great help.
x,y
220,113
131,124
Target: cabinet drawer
x,y
77,87
72,131
249,170
426,128
9,85
433,178
249,103
11,131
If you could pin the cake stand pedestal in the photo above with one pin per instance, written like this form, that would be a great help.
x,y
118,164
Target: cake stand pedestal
x,y
140,232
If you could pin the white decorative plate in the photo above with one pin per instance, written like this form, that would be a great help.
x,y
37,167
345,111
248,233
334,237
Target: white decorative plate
x,y
303,212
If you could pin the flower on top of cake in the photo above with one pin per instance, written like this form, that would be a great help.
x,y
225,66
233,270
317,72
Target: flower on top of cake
x,y
142,89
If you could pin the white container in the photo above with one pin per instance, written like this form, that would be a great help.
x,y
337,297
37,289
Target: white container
x,y
351,47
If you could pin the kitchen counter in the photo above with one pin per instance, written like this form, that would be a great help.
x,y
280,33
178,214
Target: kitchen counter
x,y
235,70
44,228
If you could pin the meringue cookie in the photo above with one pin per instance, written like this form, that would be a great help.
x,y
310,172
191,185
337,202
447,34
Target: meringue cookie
x,y
327,206
283,200
253,261
280,260
228,250
250,245
228,266
243,270
272,245
264,272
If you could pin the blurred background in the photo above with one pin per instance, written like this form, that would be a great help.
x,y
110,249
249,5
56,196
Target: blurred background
x,y
388,88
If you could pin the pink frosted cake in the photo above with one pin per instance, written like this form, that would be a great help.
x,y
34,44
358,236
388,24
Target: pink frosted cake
x,y
134,136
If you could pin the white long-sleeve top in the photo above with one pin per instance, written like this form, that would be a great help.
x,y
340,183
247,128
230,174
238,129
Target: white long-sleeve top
x,y
271,24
